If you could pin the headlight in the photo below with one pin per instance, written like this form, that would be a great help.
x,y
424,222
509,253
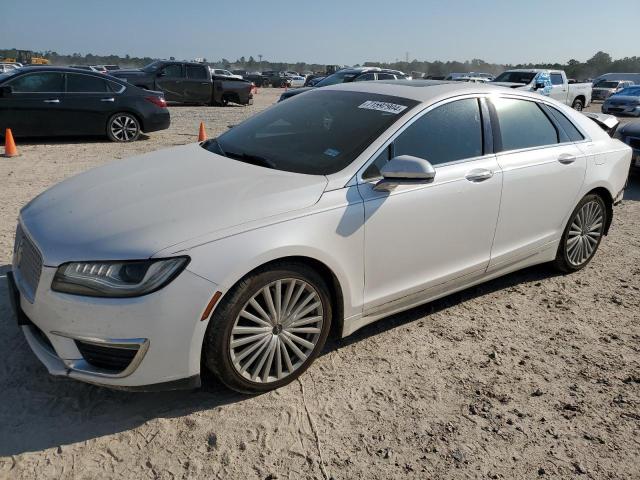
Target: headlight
x,y
117,279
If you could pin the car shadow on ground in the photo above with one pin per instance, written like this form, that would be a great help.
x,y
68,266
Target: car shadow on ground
x,y
27,141
38,411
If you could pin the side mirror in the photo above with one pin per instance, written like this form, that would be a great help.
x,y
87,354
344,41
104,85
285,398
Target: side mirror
x,y
6,91
538,86
405,170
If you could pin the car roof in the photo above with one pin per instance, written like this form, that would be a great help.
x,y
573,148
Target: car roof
x,y
48,68
427,91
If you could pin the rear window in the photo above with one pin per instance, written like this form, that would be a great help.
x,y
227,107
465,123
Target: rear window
x,y
77,83
523,124
318,133
568,128
196,72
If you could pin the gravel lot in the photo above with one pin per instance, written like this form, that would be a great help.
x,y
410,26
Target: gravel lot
x,y
531,375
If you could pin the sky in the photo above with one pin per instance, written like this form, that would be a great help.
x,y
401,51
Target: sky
x,y
323,31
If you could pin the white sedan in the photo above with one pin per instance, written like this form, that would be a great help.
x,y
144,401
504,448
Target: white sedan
x,y
337,208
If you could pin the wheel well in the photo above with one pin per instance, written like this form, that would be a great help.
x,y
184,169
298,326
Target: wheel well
x,y
337,299
608,201
579,97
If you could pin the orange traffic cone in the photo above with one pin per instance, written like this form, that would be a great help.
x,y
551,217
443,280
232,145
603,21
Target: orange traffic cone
x,y
202,135
10,149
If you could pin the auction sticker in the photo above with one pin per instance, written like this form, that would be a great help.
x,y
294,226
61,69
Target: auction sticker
x,y
383,106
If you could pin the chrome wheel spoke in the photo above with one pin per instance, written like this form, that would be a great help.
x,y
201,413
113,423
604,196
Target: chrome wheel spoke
x,y
584,233
277,330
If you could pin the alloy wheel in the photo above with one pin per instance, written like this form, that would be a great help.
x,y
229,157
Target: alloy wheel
x,y
584,233
124,128
276,331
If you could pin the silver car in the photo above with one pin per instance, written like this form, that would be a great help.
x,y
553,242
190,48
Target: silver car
x,y
624,102
605,88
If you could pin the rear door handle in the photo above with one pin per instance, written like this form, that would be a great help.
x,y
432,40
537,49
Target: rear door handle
x,y
479,175
566,158
52,100
204,83
110,99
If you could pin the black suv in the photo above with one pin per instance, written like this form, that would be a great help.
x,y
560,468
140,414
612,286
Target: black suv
x,y
350,75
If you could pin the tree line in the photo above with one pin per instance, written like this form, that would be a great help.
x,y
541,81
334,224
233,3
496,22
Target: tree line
x,y
598,64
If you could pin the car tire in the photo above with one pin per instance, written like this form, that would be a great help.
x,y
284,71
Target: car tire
x,y
123,127
578,105
252,351
582,235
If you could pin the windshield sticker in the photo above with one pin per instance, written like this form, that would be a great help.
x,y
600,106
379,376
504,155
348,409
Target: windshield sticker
x,y
383,107
332,152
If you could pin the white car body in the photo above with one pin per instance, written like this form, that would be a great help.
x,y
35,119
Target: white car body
x,y
387,251
296,81
223,73
560,90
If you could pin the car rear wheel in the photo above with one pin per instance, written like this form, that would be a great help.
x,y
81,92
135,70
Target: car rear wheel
x,y
578,104
269,328
123,127
582,235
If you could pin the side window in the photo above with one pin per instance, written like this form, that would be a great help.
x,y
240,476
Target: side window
x,y
364,77
572,133
85,83
523,124
42,82
373,170
446,134
556,79
196,72
386,76
173,70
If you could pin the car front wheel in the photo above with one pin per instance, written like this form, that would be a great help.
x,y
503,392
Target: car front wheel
x,y
582,235
269,328
578,105
123,127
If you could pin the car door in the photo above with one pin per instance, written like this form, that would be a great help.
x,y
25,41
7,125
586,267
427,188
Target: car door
x,y
542,170
34,105
197,85
89,101
420,237
558,87
170,79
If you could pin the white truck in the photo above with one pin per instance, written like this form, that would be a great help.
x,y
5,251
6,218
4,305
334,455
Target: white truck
x,y
552,83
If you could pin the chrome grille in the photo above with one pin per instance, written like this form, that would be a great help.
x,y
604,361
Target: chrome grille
x,y
27,261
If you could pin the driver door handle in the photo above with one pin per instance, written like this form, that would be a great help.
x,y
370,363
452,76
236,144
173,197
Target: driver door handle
x,y
52,100
479,175
110,99
566,158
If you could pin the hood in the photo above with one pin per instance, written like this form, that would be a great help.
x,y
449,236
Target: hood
x,y
509,84
291,93
136,207
623,99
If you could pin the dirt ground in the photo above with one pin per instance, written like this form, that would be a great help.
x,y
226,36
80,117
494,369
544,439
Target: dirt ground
x,y
533,375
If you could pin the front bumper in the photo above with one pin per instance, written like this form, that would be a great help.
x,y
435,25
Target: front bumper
x,y
160,334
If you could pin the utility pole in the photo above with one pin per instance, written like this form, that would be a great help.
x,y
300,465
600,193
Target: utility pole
x,y
406,57
260,57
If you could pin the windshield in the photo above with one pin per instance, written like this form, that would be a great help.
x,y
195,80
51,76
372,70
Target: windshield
x,y
516,77
629,91
318,133
605,84
152,67
338,77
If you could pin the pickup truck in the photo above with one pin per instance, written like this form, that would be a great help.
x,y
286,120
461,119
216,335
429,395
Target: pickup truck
x,y
188,82
552,83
